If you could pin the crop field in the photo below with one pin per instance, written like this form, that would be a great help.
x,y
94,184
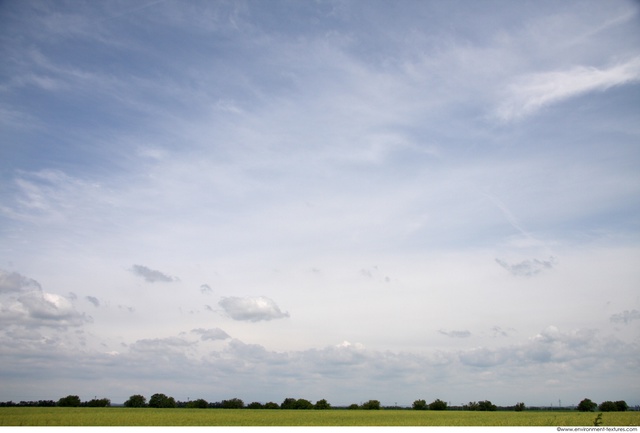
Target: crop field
x,y
118,416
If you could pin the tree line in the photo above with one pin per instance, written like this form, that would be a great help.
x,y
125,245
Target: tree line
x,y
587,405
160,400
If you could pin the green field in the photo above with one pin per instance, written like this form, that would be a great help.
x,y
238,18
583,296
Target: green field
x,y
117,416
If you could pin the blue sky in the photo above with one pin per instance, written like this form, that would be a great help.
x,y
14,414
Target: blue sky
x,y
342,200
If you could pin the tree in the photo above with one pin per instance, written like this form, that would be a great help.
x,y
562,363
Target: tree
x,y
419,405
200,403
69,401
136,400
302,403
471,406
607,406
98,402
586,405
288,403
486,405
622,406
353,406
322,405
234,403
371,405
519,407
438,404
271,405
162,401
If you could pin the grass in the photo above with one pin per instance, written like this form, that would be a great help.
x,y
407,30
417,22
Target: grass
x,y
118,416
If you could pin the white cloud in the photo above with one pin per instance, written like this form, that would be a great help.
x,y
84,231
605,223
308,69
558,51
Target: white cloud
x,y
529,94
252,309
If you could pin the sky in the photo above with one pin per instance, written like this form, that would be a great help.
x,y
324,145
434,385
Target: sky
x,y
340,200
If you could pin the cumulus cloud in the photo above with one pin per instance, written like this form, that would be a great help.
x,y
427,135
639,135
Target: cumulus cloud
x,y
455,334
625,317
37,308
527,268
24,303
252,309
14,282
152,275
211,334
531,93
206,289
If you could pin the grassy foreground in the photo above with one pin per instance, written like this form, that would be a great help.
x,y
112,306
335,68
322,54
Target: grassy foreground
x,y
117,416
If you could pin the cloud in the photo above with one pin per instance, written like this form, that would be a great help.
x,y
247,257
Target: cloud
x,y
252,309
14,282
152,275
625,317
206,289
455,334
531,93
37,308
95,301
527,268
211,334
24,303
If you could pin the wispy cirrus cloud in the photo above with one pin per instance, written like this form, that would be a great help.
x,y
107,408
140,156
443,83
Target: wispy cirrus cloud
x,y
528,94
